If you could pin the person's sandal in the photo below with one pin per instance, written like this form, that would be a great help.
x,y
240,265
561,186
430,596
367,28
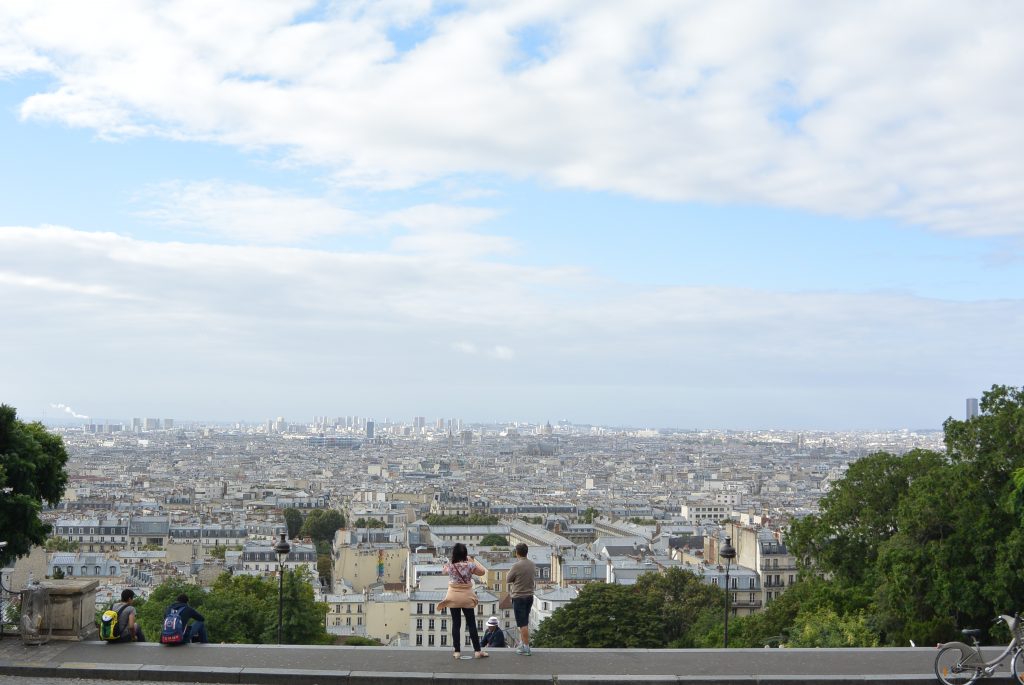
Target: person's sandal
x,y
457,655
481,655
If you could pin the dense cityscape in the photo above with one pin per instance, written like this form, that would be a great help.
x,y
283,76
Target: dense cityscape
x,y
155,499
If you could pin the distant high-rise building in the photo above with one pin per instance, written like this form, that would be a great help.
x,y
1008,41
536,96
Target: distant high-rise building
x,y
419,423
168,424
152,424
136,425
369,430
467,438
972,407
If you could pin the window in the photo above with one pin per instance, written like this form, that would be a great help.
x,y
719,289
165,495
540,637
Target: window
x,y
751,580
348,608
444,640
444,625
430,640
431,608
359,620
419,607
735,583
430,624
419,624
419,640
359,609
573,571
714,581
545,605
348,620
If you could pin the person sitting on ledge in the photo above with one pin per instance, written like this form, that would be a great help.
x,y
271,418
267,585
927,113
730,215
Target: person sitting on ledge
x,y
194,631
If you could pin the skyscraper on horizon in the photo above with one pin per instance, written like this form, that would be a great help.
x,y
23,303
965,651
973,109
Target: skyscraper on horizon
x,y
972,407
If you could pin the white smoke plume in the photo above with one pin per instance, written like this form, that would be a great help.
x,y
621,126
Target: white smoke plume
x,y
69,410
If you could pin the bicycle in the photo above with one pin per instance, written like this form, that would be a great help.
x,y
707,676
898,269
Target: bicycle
x,y
958,663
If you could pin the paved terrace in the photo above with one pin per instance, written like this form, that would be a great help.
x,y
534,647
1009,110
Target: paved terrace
x,y
292,665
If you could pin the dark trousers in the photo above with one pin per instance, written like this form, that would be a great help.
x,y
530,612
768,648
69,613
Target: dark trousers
x,y
470,626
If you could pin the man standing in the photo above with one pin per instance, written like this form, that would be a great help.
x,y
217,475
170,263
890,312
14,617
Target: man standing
x,y
522,579
195,631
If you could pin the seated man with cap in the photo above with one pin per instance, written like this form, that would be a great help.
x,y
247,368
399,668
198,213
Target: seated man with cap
x,y
494,636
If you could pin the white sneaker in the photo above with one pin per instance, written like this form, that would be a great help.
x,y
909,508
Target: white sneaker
x,y
523,650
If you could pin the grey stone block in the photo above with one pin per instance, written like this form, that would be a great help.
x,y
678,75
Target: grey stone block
x,y
602,679
191,674
81,669
290,676
389,678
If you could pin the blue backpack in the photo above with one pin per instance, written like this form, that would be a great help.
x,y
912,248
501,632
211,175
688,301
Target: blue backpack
x,y
174,628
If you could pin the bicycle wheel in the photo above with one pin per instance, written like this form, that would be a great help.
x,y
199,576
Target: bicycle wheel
x,y
1017,666
948,667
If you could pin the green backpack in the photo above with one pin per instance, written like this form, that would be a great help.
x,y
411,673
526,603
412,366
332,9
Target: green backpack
x,y
110,628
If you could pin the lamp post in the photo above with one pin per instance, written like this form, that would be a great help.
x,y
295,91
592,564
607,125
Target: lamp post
x,y
281,548
728,552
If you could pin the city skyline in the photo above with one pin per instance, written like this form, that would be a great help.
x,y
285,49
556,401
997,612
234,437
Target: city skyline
x,y
681,216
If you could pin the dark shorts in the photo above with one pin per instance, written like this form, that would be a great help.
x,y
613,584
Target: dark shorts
x,y
521,608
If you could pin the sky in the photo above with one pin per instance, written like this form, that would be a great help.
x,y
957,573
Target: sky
x,y
738,215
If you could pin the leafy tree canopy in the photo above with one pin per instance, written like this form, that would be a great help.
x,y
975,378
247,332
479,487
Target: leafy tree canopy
x,y
321,524
494,540
926,543
369,523
660,610
587,515
293,519
455,520
61,545
32,462
243,609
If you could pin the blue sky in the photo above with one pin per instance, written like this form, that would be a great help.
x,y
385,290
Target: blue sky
x,y
521,211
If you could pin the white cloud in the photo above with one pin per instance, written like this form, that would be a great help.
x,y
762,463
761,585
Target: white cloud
x,y
874,108
241,323
246,213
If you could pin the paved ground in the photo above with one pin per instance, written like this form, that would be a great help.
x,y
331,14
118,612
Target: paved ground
x,y
234,662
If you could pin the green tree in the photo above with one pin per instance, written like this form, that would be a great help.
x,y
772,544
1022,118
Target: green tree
x,y
32,462
150,611
935,542
240,609
369,523
603,616
680,599
494,540
304,620
61,545
293,519
321,524
455,520
360,641
587,515
858,514
325,566
670,609
825,628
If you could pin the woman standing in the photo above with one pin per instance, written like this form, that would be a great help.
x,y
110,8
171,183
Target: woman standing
x,y
460,598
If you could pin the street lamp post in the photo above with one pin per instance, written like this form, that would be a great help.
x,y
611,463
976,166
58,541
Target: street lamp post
x,y
281,548
728,552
